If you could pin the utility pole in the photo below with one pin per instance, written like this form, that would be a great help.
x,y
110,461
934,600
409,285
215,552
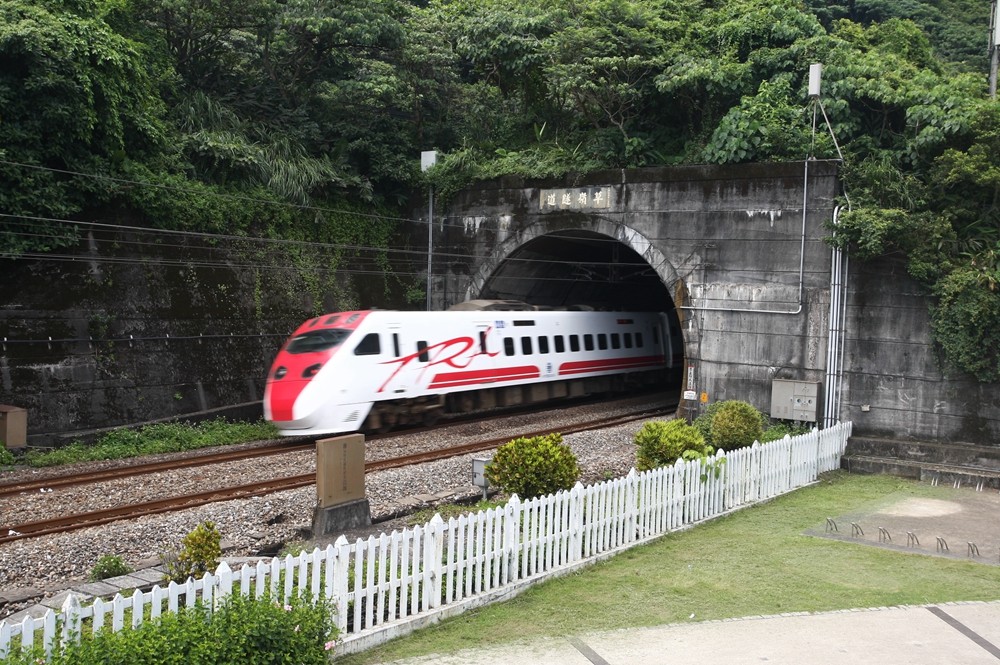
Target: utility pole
x,y
994,43
428,158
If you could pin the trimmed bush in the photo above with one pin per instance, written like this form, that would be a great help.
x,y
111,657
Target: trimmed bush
x,y
663,442
736,424
533,467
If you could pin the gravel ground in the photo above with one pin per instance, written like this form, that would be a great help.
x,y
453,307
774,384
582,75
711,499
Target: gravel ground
x,y
263,524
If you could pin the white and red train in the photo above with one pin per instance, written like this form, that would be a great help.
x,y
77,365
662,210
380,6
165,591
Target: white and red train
x,y
374,370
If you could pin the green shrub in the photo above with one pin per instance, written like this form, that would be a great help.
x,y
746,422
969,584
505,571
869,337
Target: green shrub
x,y
736,424
533,467
662,442
782,429
6,457
108,565
199,554
240,630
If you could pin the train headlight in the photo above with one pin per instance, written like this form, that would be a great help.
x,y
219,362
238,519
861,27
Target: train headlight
x,y
280,372
310,372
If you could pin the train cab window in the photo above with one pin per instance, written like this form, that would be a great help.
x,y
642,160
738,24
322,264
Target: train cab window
x,y
543,344
482,342
422,348
508,346
560,346
369,346
526,346
656,335
602,341
574,343
588,342
616,342
317,340
638,340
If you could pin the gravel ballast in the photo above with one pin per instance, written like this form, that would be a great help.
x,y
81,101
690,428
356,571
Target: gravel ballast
x,y
251,526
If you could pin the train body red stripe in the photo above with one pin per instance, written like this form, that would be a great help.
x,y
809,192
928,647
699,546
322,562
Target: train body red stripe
x,y
608,364
476,377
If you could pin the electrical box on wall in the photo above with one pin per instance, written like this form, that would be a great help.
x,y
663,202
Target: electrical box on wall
x,y
796,400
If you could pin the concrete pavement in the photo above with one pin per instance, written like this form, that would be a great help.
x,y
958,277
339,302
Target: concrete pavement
x,y
959,633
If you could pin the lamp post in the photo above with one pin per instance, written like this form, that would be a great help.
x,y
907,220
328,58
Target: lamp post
x,y
994,44
428,158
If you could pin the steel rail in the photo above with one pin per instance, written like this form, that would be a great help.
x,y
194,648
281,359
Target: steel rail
x,y
170,504
128,471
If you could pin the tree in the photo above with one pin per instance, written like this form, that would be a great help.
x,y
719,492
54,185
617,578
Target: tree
x,y
76,97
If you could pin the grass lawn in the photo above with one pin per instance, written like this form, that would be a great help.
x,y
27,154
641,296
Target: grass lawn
x,y
756,561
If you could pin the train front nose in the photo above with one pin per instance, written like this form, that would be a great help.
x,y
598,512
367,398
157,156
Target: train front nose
x,y
284,395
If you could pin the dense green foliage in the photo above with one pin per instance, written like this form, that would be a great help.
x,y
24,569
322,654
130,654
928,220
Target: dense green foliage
x,y
659,443
153,439
291,118
239,630
535,466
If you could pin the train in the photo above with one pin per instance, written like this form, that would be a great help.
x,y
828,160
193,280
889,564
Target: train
x,y
375,370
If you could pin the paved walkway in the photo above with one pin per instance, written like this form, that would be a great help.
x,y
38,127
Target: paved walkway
x,y
959,633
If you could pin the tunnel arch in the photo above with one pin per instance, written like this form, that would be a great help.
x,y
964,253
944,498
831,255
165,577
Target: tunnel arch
x,y
603,264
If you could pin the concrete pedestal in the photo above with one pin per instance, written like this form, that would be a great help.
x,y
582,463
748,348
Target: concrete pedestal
x,y
341,517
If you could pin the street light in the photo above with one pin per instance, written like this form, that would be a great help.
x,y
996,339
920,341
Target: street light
x,y
428,158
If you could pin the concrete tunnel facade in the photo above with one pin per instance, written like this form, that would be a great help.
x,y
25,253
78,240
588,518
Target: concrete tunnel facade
x,y
738,254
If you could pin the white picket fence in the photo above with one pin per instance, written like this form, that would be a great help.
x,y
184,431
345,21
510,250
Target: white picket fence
x,y
388,586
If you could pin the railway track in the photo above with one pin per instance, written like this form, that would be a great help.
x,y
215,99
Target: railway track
x,y
89,477
170,504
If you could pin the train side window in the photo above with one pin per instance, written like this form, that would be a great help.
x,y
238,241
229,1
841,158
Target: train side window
x,y
369,346
628,340
574,343
526,346
395,344
482,341
602,341
508,346
588,342
560,346
616,342
422,348
638,340
543,344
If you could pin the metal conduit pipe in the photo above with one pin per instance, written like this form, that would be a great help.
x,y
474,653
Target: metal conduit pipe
x,y
802,259
835,334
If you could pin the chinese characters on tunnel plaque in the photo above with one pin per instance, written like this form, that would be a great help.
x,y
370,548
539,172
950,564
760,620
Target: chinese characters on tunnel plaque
x,y
574,198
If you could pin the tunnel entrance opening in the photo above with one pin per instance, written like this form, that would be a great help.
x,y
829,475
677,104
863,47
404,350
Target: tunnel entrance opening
x,y
578,269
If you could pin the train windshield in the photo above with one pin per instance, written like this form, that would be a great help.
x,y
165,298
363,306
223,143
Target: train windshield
x,y
317,340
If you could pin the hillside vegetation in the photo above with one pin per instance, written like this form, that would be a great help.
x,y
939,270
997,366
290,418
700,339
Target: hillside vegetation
x,y
305,120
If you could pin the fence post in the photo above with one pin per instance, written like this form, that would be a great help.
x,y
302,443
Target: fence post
x,y
631,507
512,535
433,554
5,635
340,565
576,522
71,627
224,577
49,633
